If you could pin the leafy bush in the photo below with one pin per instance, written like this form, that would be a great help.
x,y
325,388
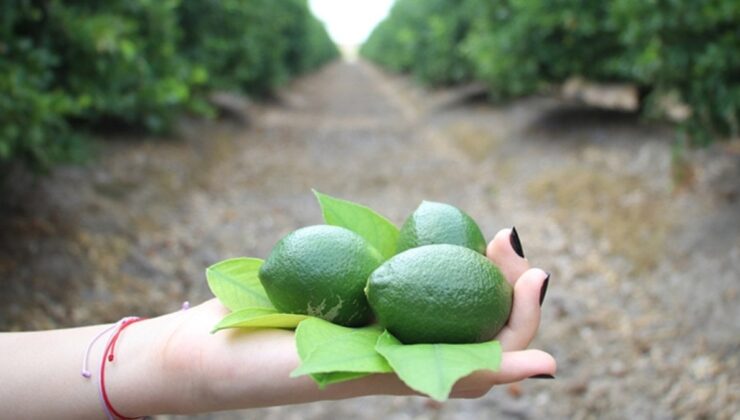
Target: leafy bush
x,y
118,60
231,41
65,64
318,48
518,47
33,112
688,48
422,37
523,46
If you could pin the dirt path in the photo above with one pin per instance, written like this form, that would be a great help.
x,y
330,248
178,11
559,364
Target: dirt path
x,y
642,311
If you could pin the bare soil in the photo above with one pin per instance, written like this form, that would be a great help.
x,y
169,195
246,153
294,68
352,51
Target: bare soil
x,y
642,312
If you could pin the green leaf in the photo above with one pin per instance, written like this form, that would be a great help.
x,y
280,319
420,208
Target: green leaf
x,y
366,222
324,379
433,369
331,353
255,317
236,284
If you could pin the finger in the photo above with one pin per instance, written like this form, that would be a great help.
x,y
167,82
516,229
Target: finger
x,y
515,366
501,251
525,311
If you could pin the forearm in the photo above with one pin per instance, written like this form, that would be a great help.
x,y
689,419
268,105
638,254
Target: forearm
x,y
169,364
41,372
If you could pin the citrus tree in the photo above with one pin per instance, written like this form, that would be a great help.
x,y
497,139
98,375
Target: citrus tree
x,y
520,47
67,67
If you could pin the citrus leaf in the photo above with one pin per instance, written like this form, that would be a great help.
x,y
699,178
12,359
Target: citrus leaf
x,y
255,317
366,222
236,284
433,369
324,379
331,353
348,351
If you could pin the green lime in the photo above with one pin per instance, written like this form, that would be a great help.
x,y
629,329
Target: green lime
x,y
321,271
439,223
440,294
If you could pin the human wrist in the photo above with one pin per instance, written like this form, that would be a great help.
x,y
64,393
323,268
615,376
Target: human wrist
x,y
137,381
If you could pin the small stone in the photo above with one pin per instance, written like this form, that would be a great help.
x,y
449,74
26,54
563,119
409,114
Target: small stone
x,y
514,390
577,386
703,367
617,368
433,404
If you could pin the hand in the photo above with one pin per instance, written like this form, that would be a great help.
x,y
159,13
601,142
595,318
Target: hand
x,y
243,369
517,362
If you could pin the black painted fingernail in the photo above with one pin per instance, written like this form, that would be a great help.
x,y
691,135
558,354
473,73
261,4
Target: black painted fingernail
x,y
543,290
514,239
542,376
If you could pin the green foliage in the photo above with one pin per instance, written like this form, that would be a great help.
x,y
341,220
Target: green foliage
x,y
68,65
519,47
421,37
253,45
433,369
258,317
236,283
118,60
326,348
688,48
31,106
378,231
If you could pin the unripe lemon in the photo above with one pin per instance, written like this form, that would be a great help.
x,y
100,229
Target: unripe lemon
x,y
439,223
440,294
321,271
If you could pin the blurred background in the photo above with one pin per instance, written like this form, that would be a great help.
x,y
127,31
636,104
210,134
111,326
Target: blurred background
x,y
142,141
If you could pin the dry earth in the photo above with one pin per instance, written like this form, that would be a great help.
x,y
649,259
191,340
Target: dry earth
x,y
642,311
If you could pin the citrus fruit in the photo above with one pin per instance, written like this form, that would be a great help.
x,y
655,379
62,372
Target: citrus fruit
x,y
440,294
439,223
321,271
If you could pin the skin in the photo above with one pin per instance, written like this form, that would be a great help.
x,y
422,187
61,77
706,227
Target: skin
x,y
172,364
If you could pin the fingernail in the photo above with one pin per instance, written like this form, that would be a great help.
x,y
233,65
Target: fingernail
x,y
514,239
542,376
543,290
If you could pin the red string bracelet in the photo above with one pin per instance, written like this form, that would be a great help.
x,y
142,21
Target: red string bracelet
x,y
108,356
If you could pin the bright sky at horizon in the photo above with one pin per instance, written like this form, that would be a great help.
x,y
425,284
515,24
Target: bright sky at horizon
x,y
349,22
